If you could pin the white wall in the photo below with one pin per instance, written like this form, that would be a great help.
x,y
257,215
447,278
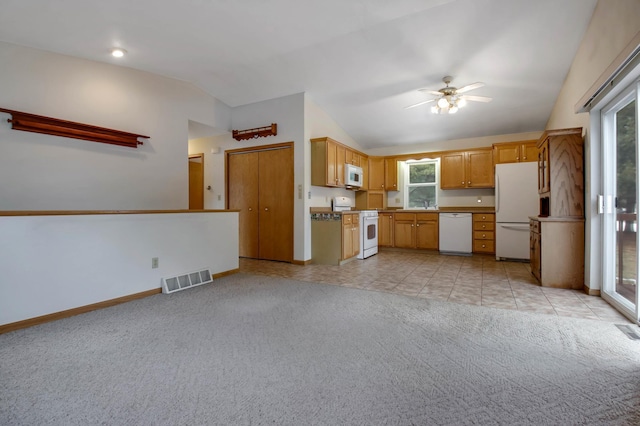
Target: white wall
x,y
54,263
613,25
288,113
54,173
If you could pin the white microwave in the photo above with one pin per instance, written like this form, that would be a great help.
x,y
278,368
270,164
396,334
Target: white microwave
x,y
353,175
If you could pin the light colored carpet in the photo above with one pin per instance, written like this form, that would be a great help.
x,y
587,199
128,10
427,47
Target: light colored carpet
x,y
261,350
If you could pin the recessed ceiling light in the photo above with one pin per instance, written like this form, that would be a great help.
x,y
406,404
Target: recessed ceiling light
x,y
118,52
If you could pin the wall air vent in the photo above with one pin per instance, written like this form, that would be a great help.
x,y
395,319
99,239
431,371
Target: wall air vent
x,y
184,281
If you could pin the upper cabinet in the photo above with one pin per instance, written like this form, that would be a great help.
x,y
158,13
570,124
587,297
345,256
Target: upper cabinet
x,y
376,173
467,169
515,152
328,158
391,174
561,174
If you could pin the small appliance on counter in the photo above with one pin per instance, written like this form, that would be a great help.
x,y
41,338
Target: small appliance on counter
x,y
340,204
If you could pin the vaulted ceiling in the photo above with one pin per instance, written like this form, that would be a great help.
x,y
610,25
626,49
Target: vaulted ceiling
x,y
360,60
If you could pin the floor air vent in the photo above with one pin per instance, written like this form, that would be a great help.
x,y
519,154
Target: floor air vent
x,y
188,280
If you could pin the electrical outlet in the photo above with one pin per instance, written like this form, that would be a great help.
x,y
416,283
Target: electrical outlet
x,y
479,199
219,197
397,200
154,262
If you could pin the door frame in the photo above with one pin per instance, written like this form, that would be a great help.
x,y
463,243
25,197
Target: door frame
x,y
201,156
609,237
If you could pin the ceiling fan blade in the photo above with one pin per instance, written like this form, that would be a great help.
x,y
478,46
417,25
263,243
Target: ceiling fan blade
x,y
431,92
476,98
469,87
419,103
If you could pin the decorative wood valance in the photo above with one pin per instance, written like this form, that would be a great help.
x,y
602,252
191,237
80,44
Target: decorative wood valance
x,y
258,132
69,129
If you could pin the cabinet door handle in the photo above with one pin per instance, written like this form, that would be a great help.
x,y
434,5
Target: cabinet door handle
x,y
250,209
484,235
484,226
266,209
418,225
517,158
469,183
462,182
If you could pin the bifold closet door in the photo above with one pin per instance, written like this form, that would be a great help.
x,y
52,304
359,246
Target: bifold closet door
x,y
243,189
260,186
276,204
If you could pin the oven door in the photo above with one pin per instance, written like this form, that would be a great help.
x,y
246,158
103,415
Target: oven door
x,y
370,232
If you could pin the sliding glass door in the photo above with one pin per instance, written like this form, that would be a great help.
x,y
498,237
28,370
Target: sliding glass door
x,y
620,152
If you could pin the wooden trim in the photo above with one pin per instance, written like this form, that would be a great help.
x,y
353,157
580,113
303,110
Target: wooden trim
x,y
325,139
590,291
225,273
99,212
69,129
201,157
301,262
281,145
75,311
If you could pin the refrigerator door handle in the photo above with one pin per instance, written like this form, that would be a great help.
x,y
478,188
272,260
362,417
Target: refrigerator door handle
x,y
497,192
523,227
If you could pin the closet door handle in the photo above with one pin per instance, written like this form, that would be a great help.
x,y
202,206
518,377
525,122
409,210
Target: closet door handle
x,y
266,209
250,209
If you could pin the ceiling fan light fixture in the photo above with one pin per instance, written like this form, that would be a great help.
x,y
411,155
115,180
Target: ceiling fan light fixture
x,y
453,109
443,102
461,102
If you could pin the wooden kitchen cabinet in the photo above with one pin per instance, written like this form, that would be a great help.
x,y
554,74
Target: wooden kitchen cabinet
x,y
353,158
427,231
328,159
376,173
391,174
385,229
557,252
327,162
557,234
515,152
561,173
467,169
484,232
350,235
416,230
371,200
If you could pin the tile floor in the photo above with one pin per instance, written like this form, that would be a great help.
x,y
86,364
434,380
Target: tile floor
x,y
474,280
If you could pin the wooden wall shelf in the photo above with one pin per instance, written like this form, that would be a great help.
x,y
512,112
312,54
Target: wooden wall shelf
x,y
258,132
69,129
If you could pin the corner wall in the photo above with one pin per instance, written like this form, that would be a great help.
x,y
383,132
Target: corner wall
x,y
613,25
55,173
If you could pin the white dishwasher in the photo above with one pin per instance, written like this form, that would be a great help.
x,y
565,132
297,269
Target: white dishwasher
x,y
455,233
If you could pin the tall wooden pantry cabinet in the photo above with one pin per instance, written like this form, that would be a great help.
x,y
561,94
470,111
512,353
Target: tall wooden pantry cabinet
x,y
557,234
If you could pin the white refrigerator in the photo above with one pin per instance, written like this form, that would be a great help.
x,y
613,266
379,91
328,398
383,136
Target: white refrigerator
x,y
516,200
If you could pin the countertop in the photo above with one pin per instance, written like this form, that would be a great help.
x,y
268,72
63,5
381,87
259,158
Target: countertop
x,y
474,209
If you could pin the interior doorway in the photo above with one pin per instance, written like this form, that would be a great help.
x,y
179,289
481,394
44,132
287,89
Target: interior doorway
x,y
260,184
196,181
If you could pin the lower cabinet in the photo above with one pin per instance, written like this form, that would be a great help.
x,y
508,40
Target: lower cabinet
x,y
350,235
557,252
484,240
416,230
335,238
385,229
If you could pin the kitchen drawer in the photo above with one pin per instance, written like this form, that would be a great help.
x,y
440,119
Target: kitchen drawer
x,y
483,235
355,219
405,216
347,219
484,217
427,216
483,226
484,246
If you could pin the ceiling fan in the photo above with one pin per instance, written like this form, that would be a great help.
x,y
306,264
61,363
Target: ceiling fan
x,y
449,99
